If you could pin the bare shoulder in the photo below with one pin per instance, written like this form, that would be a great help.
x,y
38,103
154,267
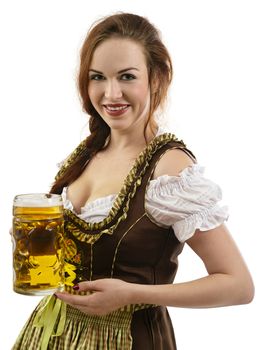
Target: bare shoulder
x,y
172,162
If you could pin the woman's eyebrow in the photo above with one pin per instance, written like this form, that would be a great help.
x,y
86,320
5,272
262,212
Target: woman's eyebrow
x,y
95,71
125,70
121,71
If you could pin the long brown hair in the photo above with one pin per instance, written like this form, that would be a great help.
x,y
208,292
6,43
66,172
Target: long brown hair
x,y
127,26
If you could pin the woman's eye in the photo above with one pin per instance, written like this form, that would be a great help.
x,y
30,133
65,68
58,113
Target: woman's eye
x,y
127,76
96,77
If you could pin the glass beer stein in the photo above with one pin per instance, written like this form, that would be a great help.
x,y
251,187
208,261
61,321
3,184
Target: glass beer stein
x,y
38,244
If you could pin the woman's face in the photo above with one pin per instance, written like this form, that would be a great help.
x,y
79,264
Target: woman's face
x,y
119,84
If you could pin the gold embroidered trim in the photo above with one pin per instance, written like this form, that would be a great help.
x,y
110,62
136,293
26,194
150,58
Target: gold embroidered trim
x,y
71,158
133,180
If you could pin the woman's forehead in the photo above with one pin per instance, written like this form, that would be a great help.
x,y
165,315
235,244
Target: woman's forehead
x,y
118,54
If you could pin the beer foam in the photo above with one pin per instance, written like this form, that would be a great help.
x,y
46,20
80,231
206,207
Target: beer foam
x,y
39,200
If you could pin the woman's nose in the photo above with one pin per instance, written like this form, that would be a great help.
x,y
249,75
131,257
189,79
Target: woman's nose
x,y
113,89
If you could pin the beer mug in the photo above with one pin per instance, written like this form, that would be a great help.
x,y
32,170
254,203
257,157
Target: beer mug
x,y
38,244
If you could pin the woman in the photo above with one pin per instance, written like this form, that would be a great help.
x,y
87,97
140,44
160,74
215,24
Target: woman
x,y
133,195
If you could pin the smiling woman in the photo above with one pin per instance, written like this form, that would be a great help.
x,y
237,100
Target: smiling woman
x,y
133,195
120,87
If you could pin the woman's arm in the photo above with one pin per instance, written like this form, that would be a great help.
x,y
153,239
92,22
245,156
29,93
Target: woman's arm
x,y
228,282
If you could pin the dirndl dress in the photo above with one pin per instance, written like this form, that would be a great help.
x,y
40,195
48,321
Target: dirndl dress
x,y
129,245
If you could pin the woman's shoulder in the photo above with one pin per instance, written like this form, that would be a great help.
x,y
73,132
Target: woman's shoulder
x,y
172,163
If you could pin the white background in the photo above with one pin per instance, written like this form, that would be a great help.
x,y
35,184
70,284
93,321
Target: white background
x,y
215,106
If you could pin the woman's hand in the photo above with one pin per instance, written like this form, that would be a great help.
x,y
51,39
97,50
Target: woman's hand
x,y
106,295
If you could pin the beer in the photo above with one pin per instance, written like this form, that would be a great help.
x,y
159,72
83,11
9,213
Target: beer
x,y
38,244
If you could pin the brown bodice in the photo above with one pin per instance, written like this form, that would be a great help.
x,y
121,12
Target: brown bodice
x,y
128,244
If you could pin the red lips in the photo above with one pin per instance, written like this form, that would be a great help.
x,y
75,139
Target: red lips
x,y
116,109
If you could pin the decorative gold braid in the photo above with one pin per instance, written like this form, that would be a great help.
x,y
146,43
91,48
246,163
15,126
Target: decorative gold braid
x,y
77,231
76,225
71,159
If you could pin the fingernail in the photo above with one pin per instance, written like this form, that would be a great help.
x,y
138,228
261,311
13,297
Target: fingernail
x,y
76,287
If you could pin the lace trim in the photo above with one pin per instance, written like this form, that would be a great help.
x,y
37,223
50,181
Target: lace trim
x,y
133,180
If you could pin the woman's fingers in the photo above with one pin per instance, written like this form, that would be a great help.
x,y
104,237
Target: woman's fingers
x,y
74,300
87,286
82,303
102,296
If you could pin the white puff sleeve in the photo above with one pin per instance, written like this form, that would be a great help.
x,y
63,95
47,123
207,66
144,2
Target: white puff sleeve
x,y
186,202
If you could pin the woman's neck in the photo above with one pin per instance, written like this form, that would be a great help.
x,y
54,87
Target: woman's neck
x,y
136,139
